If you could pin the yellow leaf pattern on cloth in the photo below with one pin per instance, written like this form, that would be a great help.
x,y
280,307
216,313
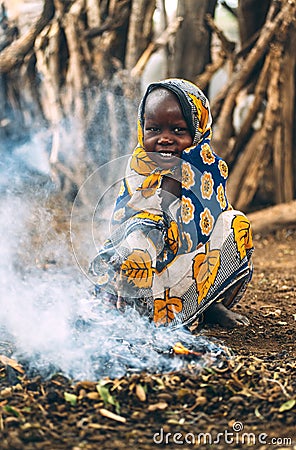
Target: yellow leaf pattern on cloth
x,y
141,163
148,215
173,236
242,234
165,309
202,113
150,185
205,268
137,268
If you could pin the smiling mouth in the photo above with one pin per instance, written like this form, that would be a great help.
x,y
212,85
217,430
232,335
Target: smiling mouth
x,y
166,155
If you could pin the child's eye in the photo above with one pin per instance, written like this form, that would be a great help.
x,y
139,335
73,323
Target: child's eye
x,y
155,129
179,130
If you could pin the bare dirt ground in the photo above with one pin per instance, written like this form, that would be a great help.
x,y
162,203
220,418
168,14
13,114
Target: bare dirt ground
x,y
247,402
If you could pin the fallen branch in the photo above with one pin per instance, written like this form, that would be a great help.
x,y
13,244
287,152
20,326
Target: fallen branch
x,y
274,218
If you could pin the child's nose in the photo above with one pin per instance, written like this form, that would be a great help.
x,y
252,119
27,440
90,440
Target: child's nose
x,y
165,139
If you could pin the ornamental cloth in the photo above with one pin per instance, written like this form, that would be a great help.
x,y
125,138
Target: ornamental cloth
x,y
172,263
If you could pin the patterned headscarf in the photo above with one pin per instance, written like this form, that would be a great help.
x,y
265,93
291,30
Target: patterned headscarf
x,y
204,174
194,105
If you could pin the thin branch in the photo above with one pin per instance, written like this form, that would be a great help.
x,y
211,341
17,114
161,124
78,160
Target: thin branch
x,y
204,78
161,41
15,53
227,45
223,126
112,22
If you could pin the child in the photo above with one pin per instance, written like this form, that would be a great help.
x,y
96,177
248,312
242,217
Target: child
x,y
178,249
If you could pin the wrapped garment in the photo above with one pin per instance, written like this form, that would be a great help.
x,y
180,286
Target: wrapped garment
x,y
172,263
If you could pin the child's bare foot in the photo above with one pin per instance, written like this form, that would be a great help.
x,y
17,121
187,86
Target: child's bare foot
x,y
217,313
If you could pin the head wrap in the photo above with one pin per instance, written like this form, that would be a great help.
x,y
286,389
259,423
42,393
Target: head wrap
x,y
194,105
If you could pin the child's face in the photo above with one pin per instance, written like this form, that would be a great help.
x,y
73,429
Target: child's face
x,y
166,133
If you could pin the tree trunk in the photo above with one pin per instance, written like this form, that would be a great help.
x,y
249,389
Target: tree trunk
x,y
193,39
251,17
76,75
140,30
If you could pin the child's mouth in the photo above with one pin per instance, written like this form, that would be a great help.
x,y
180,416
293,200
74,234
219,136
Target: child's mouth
x,y
166,155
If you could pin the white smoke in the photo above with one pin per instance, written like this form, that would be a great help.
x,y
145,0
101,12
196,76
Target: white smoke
x,y
48,314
